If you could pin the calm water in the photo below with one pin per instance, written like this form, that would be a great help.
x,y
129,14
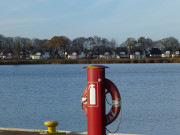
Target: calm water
x,y
32,94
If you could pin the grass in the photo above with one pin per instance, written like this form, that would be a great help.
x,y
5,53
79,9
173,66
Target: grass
x,y
89,61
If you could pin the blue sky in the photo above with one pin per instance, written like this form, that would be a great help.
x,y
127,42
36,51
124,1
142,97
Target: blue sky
x,y
117,19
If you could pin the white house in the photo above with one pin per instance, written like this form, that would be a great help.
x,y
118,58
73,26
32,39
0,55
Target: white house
x,y
73,56
6,54
9,55
36,56
107,55
166,54
2,56
137,55
176,54
21,55
122,54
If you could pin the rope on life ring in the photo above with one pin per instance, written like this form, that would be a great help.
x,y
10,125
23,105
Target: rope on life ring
x,y
116,101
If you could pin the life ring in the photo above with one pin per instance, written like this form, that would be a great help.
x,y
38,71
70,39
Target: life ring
x,y
116,101
84,101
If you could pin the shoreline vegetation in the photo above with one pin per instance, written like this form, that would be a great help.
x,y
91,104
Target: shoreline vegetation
x,y
89,61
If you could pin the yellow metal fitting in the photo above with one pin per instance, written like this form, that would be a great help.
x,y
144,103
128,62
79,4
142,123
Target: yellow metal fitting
x,y
51,128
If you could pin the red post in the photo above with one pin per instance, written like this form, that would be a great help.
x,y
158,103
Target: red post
x,y
96,99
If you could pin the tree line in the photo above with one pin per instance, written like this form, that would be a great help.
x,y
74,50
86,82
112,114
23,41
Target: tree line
x,y
60,46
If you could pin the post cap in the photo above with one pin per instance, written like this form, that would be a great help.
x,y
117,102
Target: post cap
x,y
95,66
51,123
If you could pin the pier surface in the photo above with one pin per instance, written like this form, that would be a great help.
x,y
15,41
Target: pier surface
x,y
18,131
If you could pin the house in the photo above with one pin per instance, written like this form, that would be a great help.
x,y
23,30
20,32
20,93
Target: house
x,y
155,52
6,54
103,56
122,52
36,55
137,53
103,52
46,55
166,54
89,54
9,55
40,55
27,56
107,55
2,56
61,54
22,55
176,53
168,51
73,55
28,53
82,55
113,55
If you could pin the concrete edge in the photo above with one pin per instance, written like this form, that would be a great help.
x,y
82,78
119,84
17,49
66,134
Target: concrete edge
x,y
38,130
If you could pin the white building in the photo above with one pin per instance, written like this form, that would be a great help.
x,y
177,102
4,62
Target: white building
x,y
36,56
166,54
73,56
176,54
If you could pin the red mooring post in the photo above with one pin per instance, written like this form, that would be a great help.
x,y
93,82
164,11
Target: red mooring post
x,y
96,100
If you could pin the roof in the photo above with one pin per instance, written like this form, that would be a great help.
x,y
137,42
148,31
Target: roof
x,y
156,51
137,49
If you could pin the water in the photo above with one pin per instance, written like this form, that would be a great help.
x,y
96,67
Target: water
x,y
33,94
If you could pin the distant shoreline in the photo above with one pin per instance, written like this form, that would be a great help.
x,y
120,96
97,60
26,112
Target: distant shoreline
x,y
89,61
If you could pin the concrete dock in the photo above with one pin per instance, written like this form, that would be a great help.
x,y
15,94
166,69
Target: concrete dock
x,y
18,131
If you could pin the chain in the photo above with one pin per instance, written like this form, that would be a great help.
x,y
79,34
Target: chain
x,y
119,120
